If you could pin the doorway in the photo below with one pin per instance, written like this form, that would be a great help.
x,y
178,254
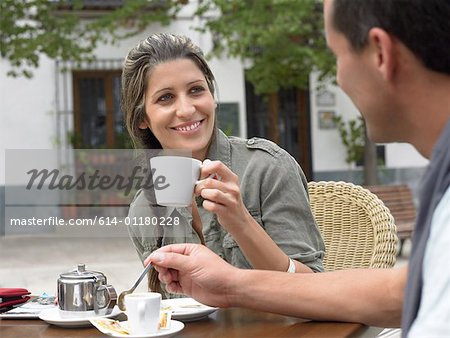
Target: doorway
x,y
98,119
284,118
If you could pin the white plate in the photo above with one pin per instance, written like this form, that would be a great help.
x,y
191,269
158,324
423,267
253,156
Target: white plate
x,y
52,316
187,309
175,326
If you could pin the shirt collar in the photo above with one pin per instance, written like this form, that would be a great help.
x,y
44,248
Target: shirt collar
x,y
220,148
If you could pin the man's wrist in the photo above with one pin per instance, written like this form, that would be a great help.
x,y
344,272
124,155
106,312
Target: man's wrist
x,y
237,287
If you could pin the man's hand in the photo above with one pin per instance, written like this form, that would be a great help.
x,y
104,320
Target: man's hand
x,y
196,271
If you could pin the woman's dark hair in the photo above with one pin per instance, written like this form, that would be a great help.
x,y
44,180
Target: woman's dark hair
x,y
422,25
137,68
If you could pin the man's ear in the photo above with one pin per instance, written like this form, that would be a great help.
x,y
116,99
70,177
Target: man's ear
x,y
382,44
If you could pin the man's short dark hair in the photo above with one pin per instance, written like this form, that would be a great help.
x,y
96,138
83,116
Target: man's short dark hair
x,y
422,25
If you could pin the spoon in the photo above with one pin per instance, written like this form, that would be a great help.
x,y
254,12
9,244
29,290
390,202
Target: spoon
x,y
121,300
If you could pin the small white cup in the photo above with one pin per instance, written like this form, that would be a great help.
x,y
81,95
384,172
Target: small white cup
x,y
174,179
143,312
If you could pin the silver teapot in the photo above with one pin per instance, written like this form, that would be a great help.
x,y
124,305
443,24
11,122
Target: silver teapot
x,y
84,293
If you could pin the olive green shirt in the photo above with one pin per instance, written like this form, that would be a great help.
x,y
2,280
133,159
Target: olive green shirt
x,y
273,189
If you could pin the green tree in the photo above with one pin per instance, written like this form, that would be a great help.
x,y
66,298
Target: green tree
x,y
282,40
32,28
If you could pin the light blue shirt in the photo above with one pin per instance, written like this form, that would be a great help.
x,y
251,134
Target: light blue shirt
x,y
433,319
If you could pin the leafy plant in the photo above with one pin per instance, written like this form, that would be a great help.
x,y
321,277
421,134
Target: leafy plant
x,y
122,140
352,137
76,140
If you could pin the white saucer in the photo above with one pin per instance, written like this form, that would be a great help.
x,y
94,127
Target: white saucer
x,y
52,316
175,327
187,309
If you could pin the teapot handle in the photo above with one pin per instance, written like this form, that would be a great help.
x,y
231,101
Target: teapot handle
x,y
111,296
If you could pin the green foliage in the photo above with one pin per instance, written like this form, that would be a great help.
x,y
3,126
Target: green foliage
x,y
282,39
31,28
352,137
122,140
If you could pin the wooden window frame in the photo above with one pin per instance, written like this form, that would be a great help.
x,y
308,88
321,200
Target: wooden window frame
x,y
108,76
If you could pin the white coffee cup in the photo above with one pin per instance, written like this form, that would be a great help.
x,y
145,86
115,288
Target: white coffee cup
x,y
174,179
143,312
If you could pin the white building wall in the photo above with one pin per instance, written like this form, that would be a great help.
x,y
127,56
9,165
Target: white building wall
x,y
26,110
328,152
403,155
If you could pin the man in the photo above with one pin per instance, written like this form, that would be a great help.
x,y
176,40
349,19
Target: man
x,y
393,60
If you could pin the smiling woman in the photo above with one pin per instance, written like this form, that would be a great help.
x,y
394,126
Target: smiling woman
x,y
143,87
251,205
179,107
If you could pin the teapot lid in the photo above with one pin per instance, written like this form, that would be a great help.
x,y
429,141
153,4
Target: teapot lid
x,y
81,273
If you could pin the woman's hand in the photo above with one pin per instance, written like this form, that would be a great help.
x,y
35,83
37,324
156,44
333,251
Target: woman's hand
x,y
221,192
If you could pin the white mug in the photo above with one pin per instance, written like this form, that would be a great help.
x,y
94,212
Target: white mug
x,y
143,312
174,179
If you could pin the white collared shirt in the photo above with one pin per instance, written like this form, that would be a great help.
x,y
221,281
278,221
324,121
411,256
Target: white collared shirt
x,y
433,319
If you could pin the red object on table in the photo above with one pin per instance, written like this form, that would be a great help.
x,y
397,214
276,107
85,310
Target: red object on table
x,y
10,297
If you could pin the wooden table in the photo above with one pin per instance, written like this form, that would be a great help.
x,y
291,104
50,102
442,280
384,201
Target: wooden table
x,y
235,322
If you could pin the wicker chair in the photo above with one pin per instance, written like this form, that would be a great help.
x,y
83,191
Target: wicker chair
x,y
358,230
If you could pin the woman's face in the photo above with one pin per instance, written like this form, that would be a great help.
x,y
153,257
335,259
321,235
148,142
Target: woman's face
x,y
179,107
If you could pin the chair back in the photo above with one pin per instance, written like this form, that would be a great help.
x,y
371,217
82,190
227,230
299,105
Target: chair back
x,y
357,228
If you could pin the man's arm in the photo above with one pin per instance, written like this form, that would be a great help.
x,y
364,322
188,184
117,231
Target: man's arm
x,y
370,296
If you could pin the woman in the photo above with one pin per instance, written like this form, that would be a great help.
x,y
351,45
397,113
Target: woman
x,y
251,206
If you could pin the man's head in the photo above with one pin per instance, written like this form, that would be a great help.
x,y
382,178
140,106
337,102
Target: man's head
x,y
421,25
389,54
